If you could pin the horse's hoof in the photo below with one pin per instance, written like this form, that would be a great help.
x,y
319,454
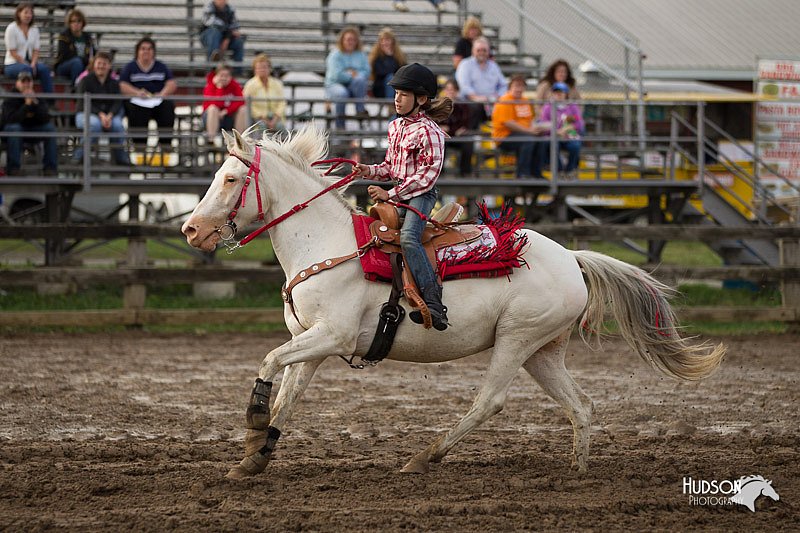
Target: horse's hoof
x,y
237,472
250,466
416,466
580,467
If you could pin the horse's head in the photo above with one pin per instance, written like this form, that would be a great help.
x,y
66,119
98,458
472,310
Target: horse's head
x,y
231,200
767,490
751,488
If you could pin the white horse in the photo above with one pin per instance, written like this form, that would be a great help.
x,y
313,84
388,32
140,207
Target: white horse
x,y
522,321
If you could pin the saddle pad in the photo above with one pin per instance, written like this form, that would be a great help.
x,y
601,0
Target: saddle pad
x,y
451,266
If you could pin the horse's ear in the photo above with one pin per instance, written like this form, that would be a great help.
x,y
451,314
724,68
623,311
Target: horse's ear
x,y
229,140
241,144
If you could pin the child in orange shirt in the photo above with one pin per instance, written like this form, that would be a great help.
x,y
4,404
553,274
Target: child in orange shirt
x,y
514,130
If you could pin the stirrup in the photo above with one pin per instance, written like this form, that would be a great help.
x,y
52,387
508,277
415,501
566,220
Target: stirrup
x,y
439,320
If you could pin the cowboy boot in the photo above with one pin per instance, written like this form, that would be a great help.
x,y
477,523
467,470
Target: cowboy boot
x,y
433,299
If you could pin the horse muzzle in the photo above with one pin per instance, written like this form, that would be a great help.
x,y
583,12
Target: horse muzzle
x,y
198,237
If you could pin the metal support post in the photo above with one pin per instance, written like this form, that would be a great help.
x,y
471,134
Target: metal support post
x,y
554,156
189,22
673,146
640,114
701,140
87,141
627,126
521,30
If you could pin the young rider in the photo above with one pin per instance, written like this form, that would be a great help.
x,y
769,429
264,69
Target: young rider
x,y
413,161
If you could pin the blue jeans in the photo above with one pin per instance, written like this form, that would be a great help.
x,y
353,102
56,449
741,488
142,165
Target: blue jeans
x,y
573,149
357,88
95,126
42,73
529,154
411,239
14,145
212,40
71,68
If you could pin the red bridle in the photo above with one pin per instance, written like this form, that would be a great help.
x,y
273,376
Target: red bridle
x,y
228,230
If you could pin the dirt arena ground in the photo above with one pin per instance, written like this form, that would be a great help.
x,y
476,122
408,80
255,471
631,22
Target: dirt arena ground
x,y
135,431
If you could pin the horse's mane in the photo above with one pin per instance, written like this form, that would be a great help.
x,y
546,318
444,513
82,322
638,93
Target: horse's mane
x,y
299,149
748,479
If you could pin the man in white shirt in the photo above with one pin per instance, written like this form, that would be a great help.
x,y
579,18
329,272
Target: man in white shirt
x,y
481,80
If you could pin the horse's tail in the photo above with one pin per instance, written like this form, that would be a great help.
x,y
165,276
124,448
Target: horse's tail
x,y
639,304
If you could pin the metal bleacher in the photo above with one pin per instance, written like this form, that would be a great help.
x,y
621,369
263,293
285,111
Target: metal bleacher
x,y
297,35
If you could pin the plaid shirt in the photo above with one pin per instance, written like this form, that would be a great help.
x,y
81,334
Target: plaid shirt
x,y
414,157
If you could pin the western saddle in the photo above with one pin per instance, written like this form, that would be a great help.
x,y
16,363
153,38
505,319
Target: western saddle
x,y
440,232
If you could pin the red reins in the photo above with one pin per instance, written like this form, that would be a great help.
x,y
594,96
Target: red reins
x,y
253,171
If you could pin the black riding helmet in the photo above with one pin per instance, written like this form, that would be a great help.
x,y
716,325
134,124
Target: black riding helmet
x,y
415,78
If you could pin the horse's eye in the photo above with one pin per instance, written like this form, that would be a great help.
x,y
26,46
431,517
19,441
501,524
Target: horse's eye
x,y
230,179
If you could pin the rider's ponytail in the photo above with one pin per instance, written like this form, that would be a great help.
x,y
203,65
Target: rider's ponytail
x,y
439,109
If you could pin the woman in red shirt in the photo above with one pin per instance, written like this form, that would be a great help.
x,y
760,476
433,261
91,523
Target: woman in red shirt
x,y
414,161
223,104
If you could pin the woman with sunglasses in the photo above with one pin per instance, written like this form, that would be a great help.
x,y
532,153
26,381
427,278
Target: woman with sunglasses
x,y
75,47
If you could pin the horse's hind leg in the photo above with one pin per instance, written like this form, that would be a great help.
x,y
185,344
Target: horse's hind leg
x,y
506,361
547,368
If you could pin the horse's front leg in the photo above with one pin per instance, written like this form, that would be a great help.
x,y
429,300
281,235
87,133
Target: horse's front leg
x,y
307,350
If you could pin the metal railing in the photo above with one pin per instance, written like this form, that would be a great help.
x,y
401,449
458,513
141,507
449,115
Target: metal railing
x,y
607,156
763,198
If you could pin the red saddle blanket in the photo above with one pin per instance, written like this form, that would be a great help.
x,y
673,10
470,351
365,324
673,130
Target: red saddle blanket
x,y
495,254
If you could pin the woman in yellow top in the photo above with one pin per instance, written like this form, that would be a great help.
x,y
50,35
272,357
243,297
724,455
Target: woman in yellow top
x,y
265,96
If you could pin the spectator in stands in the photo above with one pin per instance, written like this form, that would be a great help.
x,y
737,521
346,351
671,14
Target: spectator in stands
x,y
384,60
148,81
75,47
347,73
22,48
569,128
472,30
481,81
220,31
558,71
513,126
90,66
23,112
458,125
105,115
266,98
400,5
223,106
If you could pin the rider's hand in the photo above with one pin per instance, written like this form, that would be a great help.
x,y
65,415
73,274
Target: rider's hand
x,y
377,193
361,169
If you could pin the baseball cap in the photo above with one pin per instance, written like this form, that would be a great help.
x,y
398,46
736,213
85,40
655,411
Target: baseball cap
x,y
24,76
561,86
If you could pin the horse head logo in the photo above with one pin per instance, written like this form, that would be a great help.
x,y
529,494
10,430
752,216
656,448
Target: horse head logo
x,y
751,487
